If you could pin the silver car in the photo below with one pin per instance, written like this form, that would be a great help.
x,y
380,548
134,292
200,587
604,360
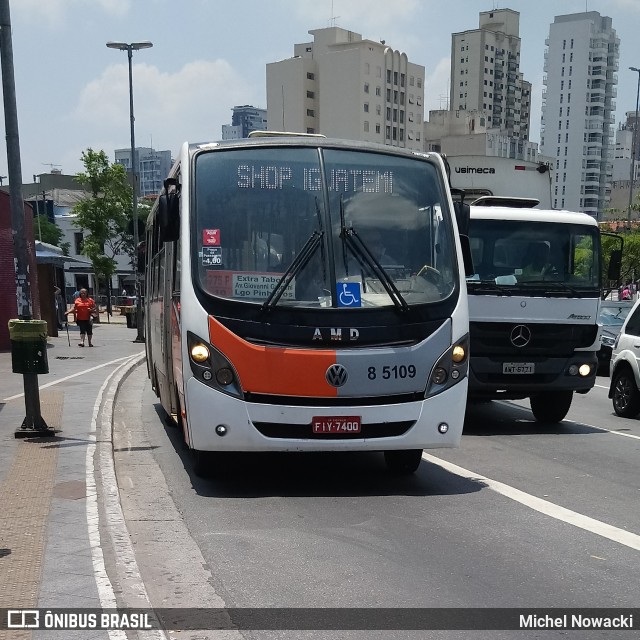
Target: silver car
x,y
613,313
624,390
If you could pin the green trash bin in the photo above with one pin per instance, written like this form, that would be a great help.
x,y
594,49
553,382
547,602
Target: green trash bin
x,y
28,346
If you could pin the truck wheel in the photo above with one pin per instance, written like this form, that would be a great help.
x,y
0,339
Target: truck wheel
x,y
626,397
552,406
403,462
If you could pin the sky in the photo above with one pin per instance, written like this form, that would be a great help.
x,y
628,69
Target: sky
x,y
72,91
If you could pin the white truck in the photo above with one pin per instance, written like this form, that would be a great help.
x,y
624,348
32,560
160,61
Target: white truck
x,y
533,304
496,176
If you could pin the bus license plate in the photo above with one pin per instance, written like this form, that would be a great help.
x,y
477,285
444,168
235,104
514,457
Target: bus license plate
x,y
518,367
336,424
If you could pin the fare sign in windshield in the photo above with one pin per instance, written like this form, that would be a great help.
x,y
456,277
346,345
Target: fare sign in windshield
x,y
249,286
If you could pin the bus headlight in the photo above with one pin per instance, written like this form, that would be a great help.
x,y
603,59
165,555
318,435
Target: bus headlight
x,y
439,375
199,353
211,367
224,376
450,368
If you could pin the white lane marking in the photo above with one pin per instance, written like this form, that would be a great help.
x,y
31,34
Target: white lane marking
x,y
73,375
105,588
544,506
585,424
115,524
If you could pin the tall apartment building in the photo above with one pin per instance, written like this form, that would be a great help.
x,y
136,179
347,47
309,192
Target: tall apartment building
x,y
345,87
244,120
152,168
485,73
578,109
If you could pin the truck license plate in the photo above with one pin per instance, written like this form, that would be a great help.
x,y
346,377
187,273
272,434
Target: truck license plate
x,y
518,368
336,424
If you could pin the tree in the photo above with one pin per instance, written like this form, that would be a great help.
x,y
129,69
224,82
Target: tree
x,y
50,232
105,214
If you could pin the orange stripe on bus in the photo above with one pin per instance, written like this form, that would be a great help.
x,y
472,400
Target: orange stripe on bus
x,y
275,370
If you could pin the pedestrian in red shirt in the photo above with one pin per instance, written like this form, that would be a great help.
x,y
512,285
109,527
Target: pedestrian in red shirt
x,y
84,308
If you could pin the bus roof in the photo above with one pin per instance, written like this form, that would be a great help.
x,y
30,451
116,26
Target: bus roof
x,y
274,134
299,140
532,215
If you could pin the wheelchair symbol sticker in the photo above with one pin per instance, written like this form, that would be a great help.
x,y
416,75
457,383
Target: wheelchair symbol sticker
x,y
348,294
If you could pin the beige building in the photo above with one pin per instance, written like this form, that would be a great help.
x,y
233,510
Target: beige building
x,y
485,72
343,86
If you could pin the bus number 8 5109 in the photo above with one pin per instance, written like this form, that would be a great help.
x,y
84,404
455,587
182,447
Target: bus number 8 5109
x,y
394,372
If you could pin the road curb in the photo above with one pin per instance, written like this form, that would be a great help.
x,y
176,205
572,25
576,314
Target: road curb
x,y
113,557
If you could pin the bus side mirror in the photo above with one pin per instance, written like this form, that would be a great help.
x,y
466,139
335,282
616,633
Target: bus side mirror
x,y
467,256
463,216
615,265
169,217
141,257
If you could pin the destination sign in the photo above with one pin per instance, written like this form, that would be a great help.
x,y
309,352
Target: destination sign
x,y
351,180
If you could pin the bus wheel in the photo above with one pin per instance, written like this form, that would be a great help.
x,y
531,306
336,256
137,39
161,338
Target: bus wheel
x,y
154,382
552,406
201,463
403,462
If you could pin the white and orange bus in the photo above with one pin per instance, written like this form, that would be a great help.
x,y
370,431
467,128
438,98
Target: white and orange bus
x,y
275,322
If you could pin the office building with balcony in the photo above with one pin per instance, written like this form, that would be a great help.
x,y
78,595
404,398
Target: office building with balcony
x,y
343,86
244,120
152,167
486,76
578,109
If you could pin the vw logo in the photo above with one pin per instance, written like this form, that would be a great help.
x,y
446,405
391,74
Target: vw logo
x,y
520,336
336,375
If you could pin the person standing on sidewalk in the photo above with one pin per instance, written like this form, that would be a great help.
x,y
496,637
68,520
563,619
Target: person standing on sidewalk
x,y
84,308
61,318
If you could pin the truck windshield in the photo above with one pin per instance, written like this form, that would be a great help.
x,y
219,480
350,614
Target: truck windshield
x,y
321,228
525,255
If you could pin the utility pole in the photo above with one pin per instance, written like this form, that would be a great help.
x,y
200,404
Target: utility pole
x,y
33,423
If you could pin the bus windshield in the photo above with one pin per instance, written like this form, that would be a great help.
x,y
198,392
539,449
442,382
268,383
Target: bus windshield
x,y
513,255
321,228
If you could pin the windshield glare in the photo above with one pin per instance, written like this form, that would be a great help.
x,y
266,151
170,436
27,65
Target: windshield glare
x,y
510,253
261,219
614,316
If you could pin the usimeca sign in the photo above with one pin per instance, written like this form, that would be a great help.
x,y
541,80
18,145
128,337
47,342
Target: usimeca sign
x,y
489,170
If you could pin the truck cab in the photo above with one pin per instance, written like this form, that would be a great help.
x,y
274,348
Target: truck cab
x,y
534,300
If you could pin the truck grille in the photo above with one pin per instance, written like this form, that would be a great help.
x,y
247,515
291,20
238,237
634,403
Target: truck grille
x,y
493,339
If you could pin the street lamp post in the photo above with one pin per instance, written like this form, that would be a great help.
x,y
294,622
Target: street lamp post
x,y
130,48
634,149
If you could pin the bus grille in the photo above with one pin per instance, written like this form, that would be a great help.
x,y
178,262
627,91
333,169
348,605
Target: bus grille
x,y
347,401
305,432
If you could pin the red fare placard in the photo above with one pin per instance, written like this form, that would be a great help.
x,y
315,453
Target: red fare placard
x,y
211,237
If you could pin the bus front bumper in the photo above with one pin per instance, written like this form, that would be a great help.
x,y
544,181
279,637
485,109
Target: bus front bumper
x,y
274,427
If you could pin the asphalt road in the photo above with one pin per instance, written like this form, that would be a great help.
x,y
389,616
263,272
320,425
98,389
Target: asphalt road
x,y
521,515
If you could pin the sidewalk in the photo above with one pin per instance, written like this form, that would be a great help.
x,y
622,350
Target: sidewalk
x,y
47,545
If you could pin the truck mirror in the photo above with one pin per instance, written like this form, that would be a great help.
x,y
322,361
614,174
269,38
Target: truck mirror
x,y
463,215
467,256
615,265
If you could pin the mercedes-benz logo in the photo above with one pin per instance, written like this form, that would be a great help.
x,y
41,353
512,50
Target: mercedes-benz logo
x,y
336,375
520,336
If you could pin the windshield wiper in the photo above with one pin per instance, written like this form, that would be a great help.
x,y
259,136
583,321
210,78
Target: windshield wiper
x,y
301,260
366,259
486,286
553,283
